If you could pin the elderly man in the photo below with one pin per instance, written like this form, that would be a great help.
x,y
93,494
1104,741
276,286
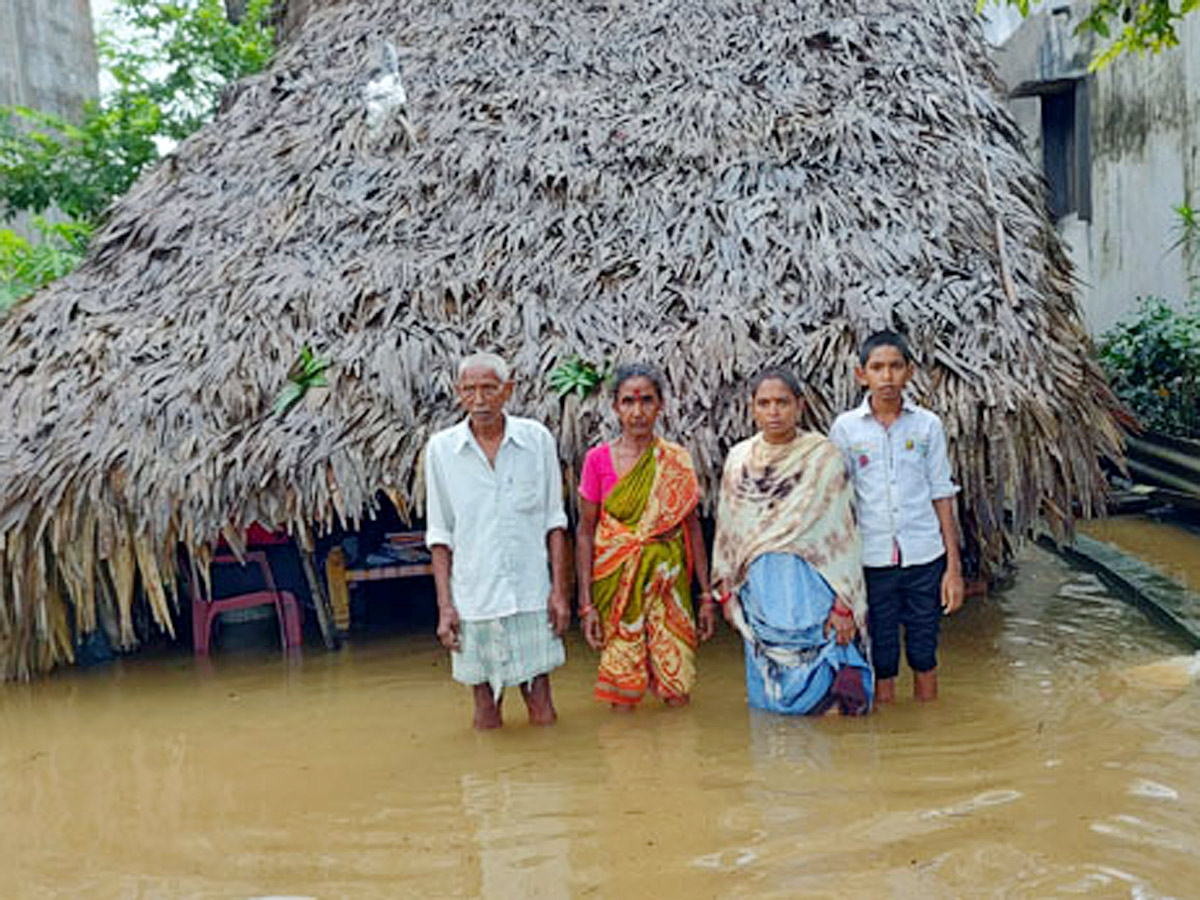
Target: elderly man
x,y
497,532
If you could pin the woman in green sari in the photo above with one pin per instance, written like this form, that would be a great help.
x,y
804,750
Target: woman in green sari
x,y
639,546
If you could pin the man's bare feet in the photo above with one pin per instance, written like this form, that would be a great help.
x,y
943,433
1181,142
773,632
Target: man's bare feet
x,y
622,707
539,701
487,708
925,686
678,702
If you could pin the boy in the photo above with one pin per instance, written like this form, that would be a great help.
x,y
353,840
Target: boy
x,y
895,453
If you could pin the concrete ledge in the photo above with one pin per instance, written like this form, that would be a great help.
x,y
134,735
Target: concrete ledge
x,y
1161,598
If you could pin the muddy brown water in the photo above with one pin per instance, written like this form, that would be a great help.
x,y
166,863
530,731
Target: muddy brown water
x,y
1045,770
1170,548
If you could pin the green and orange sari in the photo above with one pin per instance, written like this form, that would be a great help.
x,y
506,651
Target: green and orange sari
x,y
642,577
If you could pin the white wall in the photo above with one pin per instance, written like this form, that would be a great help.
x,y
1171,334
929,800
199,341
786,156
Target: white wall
x,y
1145,157
47,54
1145,116
1001,20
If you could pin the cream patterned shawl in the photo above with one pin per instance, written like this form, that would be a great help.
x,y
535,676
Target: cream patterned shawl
x,y
790,498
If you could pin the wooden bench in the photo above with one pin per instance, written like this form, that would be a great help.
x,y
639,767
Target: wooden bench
x,y
340,578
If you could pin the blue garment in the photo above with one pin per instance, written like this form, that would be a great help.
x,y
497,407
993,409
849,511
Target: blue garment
x,y
791,666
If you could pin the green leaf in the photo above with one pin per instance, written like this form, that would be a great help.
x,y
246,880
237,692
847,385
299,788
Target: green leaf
x,y
170,60
575,376
1152,358
1141,25
26,266
287,398
305,373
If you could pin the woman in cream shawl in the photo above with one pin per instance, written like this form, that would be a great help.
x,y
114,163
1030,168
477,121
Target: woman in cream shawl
x,y
787,565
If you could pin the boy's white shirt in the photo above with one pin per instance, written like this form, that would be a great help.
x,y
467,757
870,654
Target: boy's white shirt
x,y
897,473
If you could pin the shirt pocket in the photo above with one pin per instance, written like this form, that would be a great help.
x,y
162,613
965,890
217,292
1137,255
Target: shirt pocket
x,y
864,455
910,458
525,492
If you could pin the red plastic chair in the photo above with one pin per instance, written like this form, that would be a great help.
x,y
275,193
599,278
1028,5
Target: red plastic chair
x,y
205,609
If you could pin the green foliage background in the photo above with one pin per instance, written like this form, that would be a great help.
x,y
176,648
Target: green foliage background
x,y
27,265
1130,26
1152,359
169,61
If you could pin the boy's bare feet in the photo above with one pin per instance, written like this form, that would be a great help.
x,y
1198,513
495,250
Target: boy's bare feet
x,y
677,702
925,686
885,690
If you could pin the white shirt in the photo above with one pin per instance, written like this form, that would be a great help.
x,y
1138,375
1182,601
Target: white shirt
x,y
495,520
897,472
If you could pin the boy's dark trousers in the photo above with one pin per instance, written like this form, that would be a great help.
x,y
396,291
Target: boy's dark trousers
x,y
910,597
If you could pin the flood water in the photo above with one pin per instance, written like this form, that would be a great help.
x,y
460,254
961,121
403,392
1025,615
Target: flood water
x,y
1045,770
1170,548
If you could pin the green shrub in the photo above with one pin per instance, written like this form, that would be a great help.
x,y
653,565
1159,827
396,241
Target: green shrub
x,y
1153,362
168,62
27,265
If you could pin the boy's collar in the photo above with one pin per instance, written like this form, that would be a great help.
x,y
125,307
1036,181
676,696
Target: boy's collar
x,y
864,408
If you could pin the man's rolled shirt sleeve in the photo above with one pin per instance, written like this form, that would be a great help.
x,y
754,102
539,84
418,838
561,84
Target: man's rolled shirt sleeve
x,y
556,516
439,513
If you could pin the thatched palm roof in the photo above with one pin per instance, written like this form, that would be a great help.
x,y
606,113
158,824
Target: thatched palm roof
x,y
711,185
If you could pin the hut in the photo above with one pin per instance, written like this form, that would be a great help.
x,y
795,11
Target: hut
x,y
713,185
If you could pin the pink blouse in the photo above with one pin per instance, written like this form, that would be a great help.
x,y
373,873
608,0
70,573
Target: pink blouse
x,y
599,476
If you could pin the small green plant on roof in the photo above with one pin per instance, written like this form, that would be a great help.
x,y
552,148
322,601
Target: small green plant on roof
x,y
1153,362
308,371
27,265
576,376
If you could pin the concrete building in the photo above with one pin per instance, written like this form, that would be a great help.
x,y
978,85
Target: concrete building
x,y
1000,20
47,62
47,55
1120,149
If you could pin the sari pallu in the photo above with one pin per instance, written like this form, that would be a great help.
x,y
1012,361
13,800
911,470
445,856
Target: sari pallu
x,y
641,579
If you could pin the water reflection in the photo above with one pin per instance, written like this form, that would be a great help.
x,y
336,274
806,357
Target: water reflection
x,y
1171,548
522,850
1049,767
